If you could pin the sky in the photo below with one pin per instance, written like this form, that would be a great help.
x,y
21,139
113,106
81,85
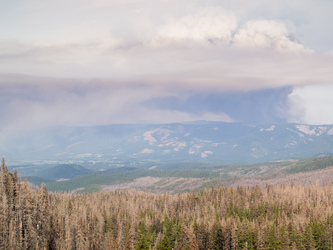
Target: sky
x,y
80,62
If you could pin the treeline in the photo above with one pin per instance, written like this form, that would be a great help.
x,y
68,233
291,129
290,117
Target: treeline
x,y
273,217
310,165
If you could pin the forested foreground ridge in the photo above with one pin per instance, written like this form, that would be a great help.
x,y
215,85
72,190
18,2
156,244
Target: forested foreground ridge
x,y
273,217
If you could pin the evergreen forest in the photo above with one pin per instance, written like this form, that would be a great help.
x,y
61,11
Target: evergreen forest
x,y
291,216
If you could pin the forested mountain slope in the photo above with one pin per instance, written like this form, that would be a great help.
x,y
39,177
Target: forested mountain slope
x,y
173,179
269,217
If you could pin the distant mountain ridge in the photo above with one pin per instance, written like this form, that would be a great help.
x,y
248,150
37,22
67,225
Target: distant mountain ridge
x,y
199,141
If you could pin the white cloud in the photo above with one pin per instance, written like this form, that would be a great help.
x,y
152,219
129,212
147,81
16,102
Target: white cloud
x,y
312,104
196,48
267,34
147,151
212,24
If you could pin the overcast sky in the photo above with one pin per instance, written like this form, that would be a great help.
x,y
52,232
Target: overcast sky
x,y
83,62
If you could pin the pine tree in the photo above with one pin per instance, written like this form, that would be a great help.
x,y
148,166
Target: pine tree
x,y
130,239
272,240
202,236
308,240
164,244
216,237
284,237
143,241
184,240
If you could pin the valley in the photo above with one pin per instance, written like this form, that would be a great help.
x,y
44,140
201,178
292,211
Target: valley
x,y
76,178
